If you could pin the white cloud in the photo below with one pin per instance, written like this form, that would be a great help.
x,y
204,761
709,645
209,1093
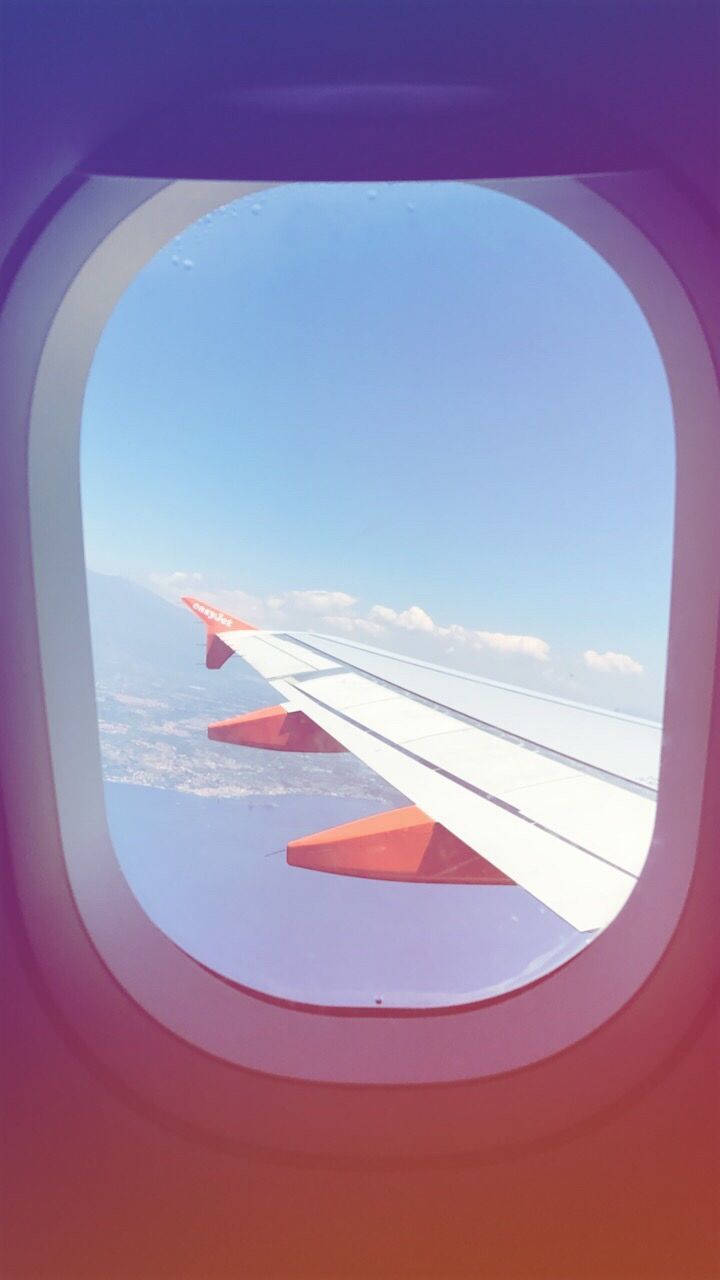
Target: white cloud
x,y
250,608
456,633
609,661
334,607
269,610
321,601
531,646
349,624
382,613
415,619
171,586
179,580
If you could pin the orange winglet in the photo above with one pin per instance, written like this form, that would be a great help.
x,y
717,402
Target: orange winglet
x,y
401,845
275,729
216,621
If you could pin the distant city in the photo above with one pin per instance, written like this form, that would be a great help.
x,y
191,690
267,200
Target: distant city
x,y
155,699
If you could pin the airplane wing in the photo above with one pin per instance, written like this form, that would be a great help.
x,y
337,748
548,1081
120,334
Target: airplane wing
x,y
507,785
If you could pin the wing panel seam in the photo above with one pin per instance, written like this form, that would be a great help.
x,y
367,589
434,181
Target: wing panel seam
x,y
605,775
467,786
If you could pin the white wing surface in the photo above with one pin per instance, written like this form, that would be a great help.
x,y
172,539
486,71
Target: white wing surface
x,y
558,796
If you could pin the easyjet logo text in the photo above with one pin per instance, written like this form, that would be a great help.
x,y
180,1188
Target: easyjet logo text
x,y
213,615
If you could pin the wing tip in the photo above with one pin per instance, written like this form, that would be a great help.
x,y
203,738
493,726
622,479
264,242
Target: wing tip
x,y
216,620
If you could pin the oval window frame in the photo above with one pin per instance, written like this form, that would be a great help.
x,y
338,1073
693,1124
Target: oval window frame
x,y
128,220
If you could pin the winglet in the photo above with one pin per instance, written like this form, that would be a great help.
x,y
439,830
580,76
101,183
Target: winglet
x,y
216,622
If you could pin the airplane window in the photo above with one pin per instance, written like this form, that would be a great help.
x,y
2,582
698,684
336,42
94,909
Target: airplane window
x,y
378,498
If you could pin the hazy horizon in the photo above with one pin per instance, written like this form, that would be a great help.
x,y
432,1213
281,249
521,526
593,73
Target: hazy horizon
x,y
426,415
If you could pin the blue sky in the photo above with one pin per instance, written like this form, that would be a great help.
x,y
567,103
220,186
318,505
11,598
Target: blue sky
x,y
433,399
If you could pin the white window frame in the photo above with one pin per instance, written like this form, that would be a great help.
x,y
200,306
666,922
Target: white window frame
x,y
134,998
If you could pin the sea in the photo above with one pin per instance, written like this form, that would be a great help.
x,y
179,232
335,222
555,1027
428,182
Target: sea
x,y
212,874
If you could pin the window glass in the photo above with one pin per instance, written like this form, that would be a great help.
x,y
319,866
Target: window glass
x,y
426,420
